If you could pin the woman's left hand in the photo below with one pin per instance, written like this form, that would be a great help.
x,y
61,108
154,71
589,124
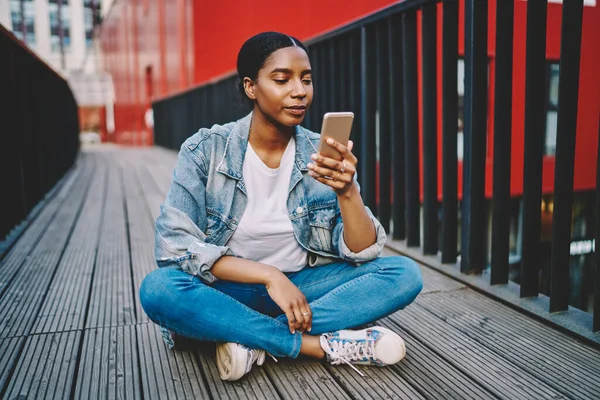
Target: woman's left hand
x,y
339,175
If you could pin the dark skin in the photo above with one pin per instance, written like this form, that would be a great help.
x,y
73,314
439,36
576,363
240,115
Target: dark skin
x,y
282,92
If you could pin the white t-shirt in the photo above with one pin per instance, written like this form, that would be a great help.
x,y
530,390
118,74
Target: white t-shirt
x,y
265,233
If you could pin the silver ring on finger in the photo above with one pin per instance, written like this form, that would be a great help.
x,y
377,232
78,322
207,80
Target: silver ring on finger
x,y
305,313
343,169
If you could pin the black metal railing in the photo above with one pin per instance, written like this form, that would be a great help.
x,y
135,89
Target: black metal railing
x,y
39,125
370,67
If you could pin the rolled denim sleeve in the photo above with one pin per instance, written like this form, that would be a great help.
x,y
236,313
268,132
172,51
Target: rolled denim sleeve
x,y
180,240
368,254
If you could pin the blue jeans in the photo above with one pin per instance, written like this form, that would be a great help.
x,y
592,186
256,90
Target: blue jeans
x,y
341,295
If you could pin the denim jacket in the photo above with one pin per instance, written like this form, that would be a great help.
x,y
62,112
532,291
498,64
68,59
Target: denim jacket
x,y
207,198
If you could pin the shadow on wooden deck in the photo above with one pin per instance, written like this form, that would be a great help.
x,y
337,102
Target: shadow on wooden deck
x,y
71,325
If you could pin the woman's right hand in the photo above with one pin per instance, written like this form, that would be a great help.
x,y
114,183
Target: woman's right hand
x,y
291,300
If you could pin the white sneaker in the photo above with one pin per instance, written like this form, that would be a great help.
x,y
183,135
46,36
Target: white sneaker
x,y
235,360
371,346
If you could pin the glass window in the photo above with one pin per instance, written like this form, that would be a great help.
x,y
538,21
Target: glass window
x,y
461,79
461,108
22,14
553,74
56,25
89,23
88,18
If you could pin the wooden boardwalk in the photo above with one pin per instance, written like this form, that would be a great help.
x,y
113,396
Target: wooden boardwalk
x,y
71,325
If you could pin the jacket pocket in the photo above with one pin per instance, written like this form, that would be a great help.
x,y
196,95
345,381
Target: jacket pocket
x,y
322,220
215,225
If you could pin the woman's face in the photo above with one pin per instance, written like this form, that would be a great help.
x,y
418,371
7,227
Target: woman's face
x,y
283,90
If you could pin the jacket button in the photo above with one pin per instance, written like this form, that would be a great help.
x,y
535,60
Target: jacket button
x,y
299,210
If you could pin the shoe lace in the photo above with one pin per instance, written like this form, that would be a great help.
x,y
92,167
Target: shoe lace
x,y
255,355
347,351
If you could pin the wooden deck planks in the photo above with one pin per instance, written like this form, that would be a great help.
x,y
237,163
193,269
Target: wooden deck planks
x,y
490,370
141,232
542,352
65,305
109,367
112,301
432,375
46,367
305,379
167,374
25,293
376,384
9,355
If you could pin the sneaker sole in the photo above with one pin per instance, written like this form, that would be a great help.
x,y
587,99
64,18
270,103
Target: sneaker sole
x,y
231,361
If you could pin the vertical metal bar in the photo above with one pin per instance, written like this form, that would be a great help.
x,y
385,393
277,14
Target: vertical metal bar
x,y
383,106
411,127
534,139
323,87
355,103
331,75
308,120
344,65
338,71
368,99
312,112
566,132
204,110
429,104
475,134
157,112
449,131
397,126
596,318
502,141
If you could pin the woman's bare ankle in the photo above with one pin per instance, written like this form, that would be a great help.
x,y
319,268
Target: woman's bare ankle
x,y
311,346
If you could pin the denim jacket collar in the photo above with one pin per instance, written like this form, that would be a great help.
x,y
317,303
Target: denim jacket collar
x,y
237,143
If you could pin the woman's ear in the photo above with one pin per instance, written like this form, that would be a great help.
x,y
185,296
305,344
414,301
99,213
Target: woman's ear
x,y
249,88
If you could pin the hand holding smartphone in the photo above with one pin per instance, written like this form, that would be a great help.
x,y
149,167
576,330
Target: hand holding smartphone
x,y
336,125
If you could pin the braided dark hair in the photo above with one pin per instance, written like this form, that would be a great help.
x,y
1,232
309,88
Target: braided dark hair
x,y
255,52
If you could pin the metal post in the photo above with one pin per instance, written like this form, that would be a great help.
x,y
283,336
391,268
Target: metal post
x,y
502,141
367,119
535,82
411,128
475,134
383,106
566,132
429,104
397,126
449,132
596,323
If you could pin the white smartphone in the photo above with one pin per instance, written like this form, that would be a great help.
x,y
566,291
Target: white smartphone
x,y
336,125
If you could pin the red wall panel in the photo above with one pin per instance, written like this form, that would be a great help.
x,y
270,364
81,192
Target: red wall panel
x,y
223,26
